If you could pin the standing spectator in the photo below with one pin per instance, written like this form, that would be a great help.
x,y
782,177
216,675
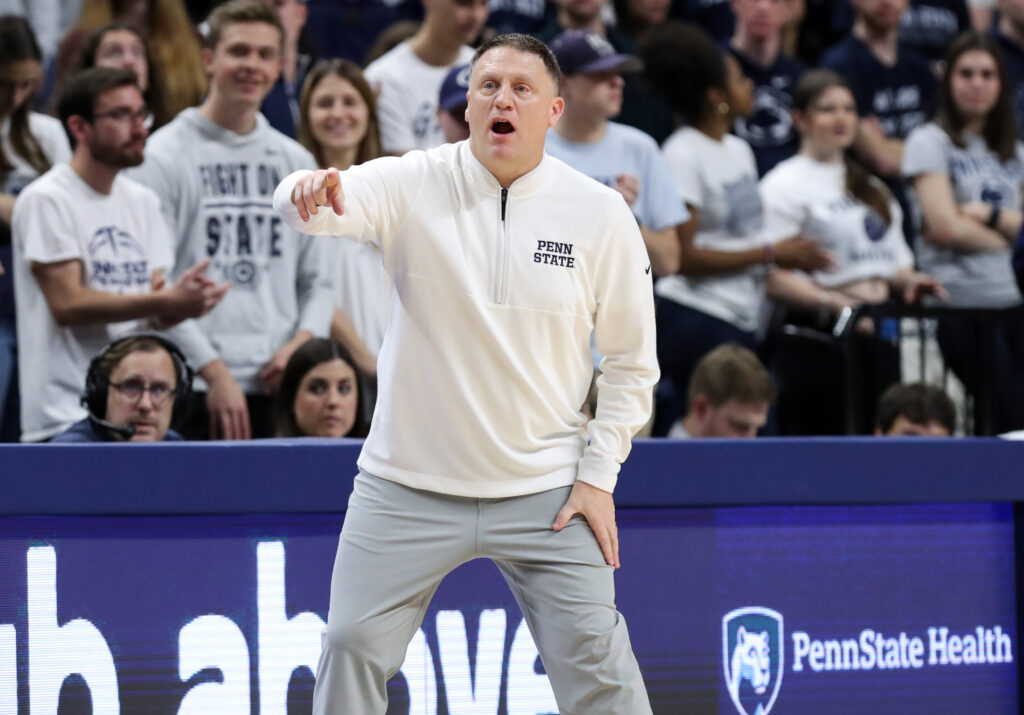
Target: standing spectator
x,y
169,34
929,26
713,16
122,45
1010,33
967,167
215,168
729,396
640,107
893,86
917,410
825,197
281,105
409,77
90,248
30,144
756,45
339,126
451,105
618,156
134,391
44,17
320,395
717,296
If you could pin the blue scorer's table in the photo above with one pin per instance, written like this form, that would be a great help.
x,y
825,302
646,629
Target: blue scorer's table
x,y
811,576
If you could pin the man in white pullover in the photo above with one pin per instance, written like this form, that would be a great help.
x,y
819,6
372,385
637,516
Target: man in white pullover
x,y
504,260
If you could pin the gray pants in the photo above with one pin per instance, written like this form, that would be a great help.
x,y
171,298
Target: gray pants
x,y
398,543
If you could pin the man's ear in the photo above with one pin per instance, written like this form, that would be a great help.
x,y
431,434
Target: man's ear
x,y
208,60
557,107
699,407
76,126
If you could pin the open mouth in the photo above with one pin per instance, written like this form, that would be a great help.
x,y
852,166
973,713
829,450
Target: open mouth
x,y
501,126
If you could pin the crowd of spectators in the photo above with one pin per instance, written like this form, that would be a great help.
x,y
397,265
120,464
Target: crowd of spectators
x,y
788,162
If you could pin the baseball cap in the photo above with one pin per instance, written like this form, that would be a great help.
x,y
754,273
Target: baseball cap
x,y
586,51
453,89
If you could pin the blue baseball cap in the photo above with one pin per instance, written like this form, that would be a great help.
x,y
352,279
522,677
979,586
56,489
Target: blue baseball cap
x,y
585,51
454,87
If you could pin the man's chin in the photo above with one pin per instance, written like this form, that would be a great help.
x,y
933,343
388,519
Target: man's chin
x,y
145,433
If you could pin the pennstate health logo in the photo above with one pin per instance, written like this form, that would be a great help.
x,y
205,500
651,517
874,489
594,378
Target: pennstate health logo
x,y
752,654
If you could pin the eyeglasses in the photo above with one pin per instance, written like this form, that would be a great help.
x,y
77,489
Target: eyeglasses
x,y
123,114
133,390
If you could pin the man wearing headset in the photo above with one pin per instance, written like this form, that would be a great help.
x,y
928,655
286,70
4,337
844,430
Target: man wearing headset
x,y
131,393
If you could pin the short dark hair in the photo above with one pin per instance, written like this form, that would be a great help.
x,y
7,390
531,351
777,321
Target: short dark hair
x,y
527,44
918,403
681,63
79,95
239,11
311,353
731,372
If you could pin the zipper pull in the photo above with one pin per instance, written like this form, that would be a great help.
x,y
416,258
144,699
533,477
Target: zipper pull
x,y
504,200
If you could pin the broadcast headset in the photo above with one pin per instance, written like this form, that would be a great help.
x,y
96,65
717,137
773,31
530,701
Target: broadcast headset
x,y
97,385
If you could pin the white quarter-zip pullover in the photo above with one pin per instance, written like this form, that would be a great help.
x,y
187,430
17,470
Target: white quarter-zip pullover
x,y
486,361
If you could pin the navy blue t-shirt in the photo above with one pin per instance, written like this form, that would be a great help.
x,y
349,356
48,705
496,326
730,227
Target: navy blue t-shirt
x,y
770,131
928,26
900,96
1014,55
714,16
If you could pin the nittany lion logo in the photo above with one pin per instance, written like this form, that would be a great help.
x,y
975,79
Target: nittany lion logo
x,y
752,654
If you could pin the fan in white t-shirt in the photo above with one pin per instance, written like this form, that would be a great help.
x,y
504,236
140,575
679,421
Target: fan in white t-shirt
x,y
853,216
717,295
90,251
825,198
408,78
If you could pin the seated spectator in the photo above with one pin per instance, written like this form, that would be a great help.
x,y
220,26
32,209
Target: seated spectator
x,y
134,390
729,396
967,167
339,126
409,77
319,395
757,46
718,294
825,197
121,45
90,251
915,410
169,34
30,143
618,156
451,105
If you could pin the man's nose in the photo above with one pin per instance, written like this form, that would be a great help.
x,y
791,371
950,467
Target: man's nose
x,y
504,95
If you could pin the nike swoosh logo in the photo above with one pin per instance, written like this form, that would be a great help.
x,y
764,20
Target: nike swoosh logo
x,y
648,269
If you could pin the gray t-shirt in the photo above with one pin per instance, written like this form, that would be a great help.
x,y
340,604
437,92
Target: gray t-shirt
x,y
983,279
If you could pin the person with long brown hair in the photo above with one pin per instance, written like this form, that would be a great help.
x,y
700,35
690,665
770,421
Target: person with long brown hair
x,y
171,38
30,143
339,125
121,44
967,169
827,197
